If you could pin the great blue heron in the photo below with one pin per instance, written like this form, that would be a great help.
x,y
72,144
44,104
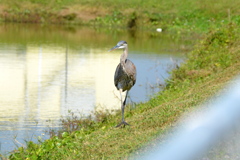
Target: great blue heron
x,y
125,75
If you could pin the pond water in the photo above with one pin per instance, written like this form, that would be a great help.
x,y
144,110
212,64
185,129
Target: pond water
x,y
45,71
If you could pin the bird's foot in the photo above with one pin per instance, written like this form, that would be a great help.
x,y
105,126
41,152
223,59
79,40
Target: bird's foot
x,y
122,123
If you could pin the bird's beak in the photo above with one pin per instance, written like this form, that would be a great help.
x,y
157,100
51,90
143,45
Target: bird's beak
x,y
116,47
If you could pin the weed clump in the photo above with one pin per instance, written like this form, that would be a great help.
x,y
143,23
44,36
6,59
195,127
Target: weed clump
x,y
73,122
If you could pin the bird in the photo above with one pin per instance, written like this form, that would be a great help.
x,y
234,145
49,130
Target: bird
x,y
124,77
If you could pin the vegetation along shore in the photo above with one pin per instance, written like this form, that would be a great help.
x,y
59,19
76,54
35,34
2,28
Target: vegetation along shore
x,y
208,68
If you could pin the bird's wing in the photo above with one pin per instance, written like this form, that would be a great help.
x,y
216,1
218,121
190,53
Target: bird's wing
x,y
118,73
125,73
130,68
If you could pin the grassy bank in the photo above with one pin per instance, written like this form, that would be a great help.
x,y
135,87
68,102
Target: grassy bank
x,y
189,15
213,62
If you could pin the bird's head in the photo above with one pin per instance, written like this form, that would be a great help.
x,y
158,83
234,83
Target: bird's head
x,y
120,45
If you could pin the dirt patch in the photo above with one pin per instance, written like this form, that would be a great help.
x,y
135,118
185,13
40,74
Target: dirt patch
x,y
82,12
198,73
2,8
31,13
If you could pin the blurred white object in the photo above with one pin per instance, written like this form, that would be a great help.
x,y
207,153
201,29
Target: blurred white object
x,y
159,29
204,130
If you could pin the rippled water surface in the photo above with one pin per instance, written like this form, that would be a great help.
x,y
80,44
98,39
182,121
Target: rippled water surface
x,y
45,71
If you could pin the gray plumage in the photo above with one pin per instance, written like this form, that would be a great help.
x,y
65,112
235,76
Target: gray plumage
x,y
125,75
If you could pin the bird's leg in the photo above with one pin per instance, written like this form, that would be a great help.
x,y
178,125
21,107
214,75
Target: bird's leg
x,y
123,103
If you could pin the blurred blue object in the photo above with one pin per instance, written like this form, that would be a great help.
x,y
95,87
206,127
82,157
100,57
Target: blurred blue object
x,y
202,132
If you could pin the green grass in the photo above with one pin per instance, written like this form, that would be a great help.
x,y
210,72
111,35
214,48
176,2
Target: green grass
x,y
212,63
189,15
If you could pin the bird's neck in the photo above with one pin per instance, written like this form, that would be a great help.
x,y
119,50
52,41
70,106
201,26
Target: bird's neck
x,y
124,56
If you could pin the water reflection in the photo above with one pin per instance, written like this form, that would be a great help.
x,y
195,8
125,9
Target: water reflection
x,y
46,73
